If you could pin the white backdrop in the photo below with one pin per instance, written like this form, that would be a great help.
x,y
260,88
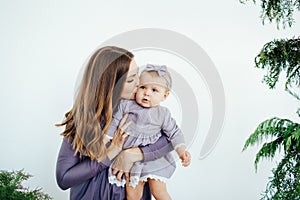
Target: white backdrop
x,y
45,43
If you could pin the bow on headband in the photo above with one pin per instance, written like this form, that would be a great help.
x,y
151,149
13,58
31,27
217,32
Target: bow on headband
x,y
162,71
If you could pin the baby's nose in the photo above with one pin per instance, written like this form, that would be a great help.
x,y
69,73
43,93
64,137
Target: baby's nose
x,y
146,92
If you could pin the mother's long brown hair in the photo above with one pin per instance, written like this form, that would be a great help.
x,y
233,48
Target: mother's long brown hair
x,y
94,101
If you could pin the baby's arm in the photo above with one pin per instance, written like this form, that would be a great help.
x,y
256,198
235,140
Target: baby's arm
x,y
184,155
176,137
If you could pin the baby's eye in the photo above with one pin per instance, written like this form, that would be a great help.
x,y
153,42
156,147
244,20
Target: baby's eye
x,y
142,87
154,90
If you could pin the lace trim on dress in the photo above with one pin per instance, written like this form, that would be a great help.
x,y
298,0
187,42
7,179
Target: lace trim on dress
x,y
134,180
114,180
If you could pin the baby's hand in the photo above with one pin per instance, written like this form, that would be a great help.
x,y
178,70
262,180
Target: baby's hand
x,y
185,158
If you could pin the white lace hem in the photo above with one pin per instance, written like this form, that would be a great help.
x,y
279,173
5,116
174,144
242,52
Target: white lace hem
x,y
134,180
114,180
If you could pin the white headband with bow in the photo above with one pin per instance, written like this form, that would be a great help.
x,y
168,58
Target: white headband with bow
x,y
162,71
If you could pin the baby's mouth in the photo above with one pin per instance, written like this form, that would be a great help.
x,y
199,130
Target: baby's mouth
x,y
145,99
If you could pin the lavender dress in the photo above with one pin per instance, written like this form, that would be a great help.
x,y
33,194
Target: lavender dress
x,y
146,128
88,179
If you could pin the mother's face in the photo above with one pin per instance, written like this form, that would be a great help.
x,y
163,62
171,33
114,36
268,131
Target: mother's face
x,y
131,82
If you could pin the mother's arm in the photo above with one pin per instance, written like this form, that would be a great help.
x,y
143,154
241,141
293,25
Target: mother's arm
x,y
128,157
157,150
71,170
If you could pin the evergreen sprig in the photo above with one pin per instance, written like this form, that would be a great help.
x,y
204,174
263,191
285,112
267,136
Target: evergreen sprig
x,y
280,11
284,184
278,56
274,127
11,187
284,134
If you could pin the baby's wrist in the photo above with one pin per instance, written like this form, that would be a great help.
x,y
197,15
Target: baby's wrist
x,y
180,149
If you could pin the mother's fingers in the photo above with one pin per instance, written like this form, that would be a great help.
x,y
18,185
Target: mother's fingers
x,y
120,136
119,175
123,120
124,127
125,134
115,171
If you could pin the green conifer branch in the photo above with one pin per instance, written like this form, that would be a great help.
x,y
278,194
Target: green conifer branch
x,y
11,187
281,56
280,11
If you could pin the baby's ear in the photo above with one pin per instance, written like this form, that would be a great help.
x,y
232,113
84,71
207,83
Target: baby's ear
x,y
166,95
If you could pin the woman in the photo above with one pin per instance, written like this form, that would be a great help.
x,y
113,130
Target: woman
x,y
83,160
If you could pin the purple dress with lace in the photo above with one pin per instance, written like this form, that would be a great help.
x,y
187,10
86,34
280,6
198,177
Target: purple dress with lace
x,y
148,125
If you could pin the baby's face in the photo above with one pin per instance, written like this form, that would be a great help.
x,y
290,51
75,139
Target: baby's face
x,y
151,91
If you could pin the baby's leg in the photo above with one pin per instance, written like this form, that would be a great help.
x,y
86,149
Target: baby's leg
x,y
135,193
159,190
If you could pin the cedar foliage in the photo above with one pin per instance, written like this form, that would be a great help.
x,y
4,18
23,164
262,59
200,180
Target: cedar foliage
x,y
11,187
280,11
280,57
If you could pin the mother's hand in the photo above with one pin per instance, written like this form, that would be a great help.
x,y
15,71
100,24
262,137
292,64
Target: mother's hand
x,y
118,140
125,161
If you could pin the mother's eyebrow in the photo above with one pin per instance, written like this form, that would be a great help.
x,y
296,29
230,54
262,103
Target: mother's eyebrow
x,y
131,75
